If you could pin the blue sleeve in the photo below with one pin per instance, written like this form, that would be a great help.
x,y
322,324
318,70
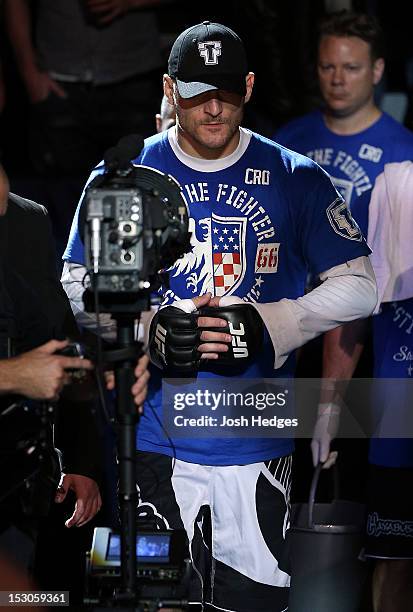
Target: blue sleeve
x,y
328,233
75,251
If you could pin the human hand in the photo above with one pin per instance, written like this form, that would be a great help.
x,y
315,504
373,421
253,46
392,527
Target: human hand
x,y
140,387
178,341
105,11
214,342
325,431
41,374
40,84
227,300
88,500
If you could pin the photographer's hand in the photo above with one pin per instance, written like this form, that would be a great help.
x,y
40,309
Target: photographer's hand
x,y
88,500
40,374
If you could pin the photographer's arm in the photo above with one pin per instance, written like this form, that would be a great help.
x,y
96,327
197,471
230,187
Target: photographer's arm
x,y
40,373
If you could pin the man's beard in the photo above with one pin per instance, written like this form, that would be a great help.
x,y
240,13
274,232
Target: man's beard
x,y
191,129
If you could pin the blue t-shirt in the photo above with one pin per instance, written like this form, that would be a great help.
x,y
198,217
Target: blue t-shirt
x,y
260,220
353,161
393,359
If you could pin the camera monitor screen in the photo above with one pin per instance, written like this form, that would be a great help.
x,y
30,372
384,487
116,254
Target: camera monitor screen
x,y
165,548
150,548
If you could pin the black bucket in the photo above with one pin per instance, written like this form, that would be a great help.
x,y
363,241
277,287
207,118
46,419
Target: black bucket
x,y
325,542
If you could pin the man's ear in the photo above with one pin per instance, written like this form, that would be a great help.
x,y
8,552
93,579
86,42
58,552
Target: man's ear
x,y
249,80
168,88
158,122
378,69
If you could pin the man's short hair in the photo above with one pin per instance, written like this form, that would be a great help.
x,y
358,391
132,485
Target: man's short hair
x,y
349,23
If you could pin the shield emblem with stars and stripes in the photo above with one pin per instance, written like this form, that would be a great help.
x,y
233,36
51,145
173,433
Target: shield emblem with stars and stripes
x,y
228,253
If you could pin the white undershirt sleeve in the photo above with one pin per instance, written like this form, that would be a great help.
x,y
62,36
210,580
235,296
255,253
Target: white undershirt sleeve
x,y
348,292
74,281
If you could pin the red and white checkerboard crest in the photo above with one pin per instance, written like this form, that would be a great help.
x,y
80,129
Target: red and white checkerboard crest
x,y
228,252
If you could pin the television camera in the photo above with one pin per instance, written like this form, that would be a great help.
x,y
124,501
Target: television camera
x,y
134,224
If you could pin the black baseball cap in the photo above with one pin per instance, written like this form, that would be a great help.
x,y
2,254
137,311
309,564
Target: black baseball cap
x,y
208,56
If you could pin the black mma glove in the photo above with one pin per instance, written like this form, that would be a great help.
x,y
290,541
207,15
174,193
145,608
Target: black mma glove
x,y
174,340
174,337
246,328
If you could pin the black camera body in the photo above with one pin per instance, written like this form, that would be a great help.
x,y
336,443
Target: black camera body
x,y
135,225
73,349
123,239
77,375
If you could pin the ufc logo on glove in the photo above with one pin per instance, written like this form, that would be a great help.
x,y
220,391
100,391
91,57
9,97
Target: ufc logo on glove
x,y
239,347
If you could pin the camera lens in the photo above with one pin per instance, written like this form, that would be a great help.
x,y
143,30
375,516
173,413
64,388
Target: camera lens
x,y
127,257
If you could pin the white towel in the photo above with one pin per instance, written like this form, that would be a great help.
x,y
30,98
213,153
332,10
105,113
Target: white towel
x,y
390,232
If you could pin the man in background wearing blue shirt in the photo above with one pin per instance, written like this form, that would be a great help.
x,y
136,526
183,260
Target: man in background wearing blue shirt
x,y
360,146
350,137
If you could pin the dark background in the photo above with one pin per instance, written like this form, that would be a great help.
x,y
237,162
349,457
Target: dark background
x,y
280,41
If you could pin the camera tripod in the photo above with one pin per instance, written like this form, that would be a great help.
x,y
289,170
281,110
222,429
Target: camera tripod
x,y
124,358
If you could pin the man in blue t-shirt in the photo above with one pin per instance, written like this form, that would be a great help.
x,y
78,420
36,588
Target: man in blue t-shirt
x,y
349,136
261,217
386,219
357,144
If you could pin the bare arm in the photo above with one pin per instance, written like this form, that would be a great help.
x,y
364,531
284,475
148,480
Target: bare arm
x,y
348,292
38,84
342,349
106,11
18,20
